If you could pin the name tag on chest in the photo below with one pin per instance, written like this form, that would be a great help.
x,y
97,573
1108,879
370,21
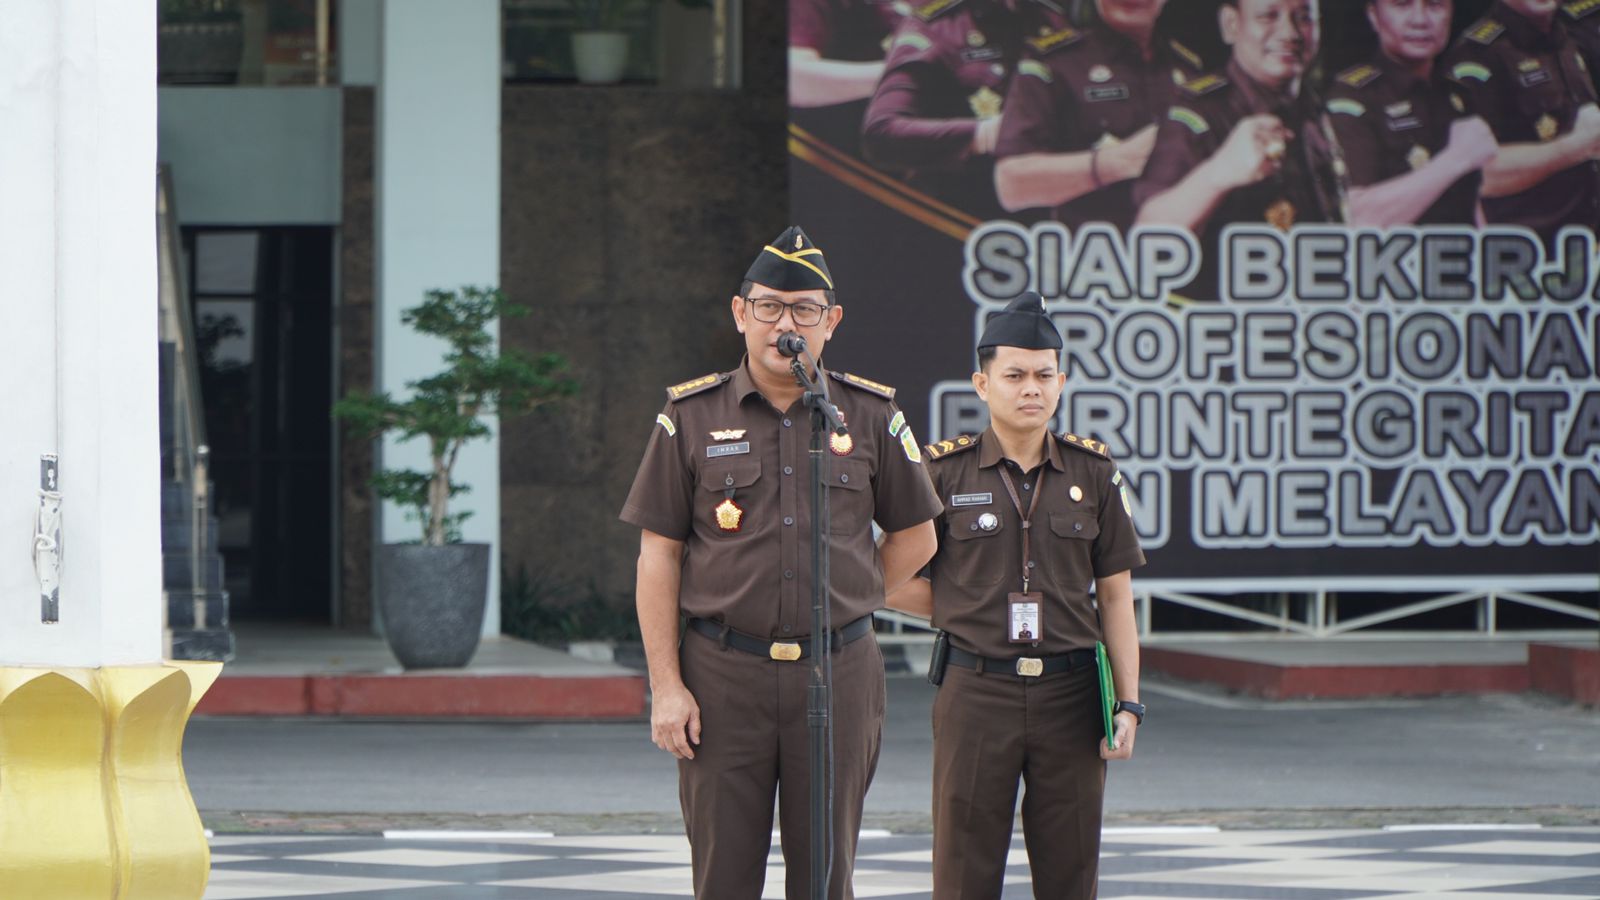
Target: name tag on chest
x,y
1105,93
971,499
716,450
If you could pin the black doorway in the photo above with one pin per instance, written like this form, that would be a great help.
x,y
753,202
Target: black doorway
x,y
263,316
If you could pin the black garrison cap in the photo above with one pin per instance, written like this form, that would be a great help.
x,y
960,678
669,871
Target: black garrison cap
x,y
1023,323
791,263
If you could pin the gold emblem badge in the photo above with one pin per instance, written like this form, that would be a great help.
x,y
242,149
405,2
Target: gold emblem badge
x,y
975,38
1076,493
1529,65
1396,110
985,103
1546,126
1281,215
731,434
1418,157
730,516
1177,76
841,444
1458,103
799,242
1099,74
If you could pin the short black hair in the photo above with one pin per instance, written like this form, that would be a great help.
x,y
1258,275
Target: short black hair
x,y
985,357
746,286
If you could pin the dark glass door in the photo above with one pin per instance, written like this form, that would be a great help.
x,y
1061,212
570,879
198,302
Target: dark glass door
x,y
264,330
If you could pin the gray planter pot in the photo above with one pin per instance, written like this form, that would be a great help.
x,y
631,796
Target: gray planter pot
x,y
432,601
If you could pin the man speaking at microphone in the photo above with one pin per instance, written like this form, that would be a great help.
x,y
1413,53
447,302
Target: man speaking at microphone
x,y
723,501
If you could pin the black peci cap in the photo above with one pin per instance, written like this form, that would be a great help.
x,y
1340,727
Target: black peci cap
x,y
1023,323
791,263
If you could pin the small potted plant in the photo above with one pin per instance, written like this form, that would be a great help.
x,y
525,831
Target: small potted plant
x,y
600,38
432,593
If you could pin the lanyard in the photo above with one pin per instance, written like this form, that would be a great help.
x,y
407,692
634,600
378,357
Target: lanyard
x,y
1011,489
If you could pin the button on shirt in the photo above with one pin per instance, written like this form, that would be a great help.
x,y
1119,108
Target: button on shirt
x,y
1072,543
1529,85
1090,89
757,579
1389,123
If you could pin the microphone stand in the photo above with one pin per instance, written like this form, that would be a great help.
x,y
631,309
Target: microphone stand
x,y
825,419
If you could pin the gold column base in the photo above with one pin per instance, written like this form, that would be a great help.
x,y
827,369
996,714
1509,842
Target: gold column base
x,y
93,800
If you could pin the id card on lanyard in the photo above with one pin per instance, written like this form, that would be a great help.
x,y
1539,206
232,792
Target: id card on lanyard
x,y
1025,619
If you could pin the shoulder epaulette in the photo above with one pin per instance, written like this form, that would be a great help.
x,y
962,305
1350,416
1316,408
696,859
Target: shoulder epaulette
x,y
1055,40
1581,8
1205,84
865,384
1193,58
1485,32
1088,445
695,386
939,449
1359,76
933,9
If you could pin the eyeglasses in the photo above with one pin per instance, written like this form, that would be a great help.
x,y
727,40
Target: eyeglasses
x,y
804,314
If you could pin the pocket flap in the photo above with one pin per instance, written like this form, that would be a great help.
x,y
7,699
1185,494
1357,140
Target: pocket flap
x,y
1074,525
732,474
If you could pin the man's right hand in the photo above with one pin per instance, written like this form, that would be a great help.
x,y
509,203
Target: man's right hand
x,y
1586,129
1472,142
1253,152
1130,155
675,721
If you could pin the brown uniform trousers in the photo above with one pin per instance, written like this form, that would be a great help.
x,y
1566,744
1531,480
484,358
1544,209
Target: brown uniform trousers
x,y
978,752
753,710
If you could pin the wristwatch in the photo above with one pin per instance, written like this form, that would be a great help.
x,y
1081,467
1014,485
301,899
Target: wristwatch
x,y
1130,707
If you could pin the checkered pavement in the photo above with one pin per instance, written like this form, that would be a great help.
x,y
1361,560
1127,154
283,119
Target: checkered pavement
x,y
1430,864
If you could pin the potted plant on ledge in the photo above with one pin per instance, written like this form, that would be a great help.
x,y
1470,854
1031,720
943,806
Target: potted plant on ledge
x,y
432,593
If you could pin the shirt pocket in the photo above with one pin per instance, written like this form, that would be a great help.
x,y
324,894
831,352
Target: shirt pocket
x,y
850,505
716,479
974,554
1070,554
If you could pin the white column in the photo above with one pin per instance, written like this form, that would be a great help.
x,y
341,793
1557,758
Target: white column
x,y
438,209
78,348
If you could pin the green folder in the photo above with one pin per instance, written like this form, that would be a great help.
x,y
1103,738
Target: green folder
x,y
1108,692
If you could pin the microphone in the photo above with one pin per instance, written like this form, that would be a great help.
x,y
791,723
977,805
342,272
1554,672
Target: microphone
x,y
791,344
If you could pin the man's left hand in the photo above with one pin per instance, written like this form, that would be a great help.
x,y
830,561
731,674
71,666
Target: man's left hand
x,y
1126,726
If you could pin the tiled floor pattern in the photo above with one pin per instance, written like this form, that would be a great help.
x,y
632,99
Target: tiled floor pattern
x,y
1464,864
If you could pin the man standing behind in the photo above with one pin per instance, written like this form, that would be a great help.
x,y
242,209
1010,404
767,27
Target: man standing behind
x,y
1032,518
1249,144
723,501
1082,111
1411,157
1520,71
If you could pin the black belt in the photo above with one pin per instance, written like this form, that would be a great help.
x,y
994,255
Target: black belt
x,y
1026,666
787,651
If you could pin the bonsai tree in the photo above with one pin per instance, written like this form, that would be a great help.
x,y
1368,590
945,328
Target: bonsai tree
x,y
445,408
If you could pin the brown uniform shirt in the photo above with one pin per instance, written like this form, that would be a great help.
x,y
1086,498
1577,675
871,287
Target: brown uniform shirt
x,y
1528,85
949,65
720,440
1389,123
1073,542
1305,190
1582,18
1076,90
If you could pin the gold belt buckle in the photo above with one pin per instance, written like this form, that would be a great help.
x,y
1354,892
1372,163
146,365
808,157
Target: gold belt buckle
x,y
1028,667
785,652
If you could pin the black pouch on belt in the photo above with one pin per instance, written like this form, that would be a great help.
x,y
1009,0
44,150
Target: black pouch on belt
x,y
939,659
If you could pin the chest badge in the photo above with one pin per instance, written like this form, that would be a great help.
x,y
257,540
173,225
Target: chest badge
x,y
1281,215
1418,157
730,516
1076,493
1100,74
1459,104
731,434
988,522
985,102
1546,127
975,38
841,444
